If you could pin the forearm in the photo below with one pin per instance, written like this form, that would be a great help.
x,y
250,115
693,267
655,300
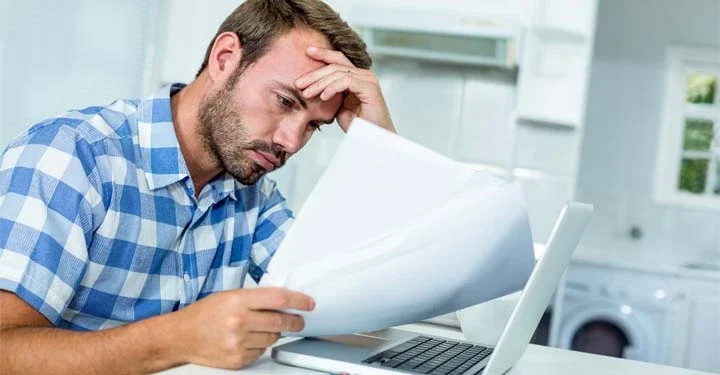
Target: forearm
x,y
146,346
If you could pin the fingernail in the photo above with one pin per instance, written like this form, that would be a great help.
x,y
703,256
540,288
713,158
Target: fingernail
x,y
312,304
312,49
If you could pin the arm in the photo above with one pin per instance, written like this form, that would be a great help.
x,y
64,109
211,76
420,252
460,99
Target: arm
x,y
228,329
273,222
49,204
30,344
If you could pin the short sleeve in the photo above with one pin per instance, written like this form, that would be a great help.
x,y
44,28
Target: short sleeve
x,y
47,200
274,220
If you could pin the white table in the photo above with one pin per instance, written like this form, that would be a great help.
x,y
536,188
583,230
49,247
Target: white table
x,y
537,360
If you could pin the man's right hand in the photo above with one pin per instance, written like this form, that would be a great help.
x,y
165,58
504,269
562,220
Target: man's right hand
x,y
233,328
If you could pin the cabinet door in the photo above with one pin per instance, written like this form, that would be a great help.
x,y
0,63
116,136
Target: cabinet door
x,y
556,61
703,351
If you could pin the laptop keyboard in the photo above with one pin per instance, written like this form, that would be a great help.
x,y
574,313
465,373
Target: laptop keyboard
x,y
427,355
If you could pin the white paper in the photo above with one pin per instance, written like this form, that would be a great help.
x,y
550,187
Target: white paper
x,y
394,233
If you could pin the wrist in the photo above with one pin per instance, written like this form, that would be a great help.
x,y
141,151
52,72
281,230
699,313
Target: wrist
x,y
170,344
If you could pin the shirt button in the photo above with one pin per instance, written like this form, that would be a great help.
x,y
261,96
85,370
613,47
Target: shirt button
x,y
186,277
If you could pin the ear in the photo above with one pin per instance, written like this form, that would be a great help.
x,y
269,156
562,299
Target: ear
x,y
224,56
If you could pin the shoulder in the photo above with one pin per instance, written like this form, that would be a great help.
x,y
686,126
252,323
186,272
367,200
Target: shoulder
x,y
88,125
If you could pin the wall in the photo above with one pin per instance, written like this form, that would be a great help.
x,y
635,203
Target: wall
x,y
69,54
624,117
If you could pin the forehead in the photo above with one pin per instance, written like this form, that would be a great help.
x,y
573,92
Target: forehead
x,y
287,60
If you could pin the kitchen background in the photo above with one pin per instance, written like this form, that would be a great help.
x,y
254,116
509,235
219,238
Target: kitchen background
x,y
611,102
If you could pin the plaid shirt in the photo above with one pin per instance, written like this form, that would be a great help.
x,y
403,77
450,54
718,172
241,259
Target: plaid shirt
x,y
99,224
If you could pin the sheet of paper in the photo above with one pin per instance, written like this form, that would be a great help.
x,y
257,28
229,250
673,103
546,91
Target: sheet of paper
x,y
394,233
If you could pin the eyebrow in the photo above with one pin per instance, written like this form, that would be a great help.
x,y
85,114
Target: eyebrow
x,y
295,93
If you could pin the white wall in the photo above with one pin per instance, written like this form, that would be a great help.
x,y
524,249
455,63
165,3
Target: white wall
x,y
624,116
59,55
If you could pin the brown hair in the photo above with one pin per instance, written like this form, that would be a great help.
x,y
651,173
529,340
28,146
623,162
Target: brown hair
x,y
258,23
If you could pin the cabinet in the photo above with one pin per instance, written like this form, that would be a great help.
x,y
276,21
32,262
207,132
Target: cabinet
x,y
556,63
703,333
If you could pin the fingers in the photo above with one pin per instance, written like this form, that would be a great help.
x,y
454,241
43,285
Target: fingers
x,y
328,56
360,88
261,340
274,322
318,87
277,299
318,74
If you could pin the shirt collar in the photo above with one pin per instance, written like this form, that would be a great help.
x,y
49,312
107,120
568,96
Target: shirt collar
x,y
162,159
224,185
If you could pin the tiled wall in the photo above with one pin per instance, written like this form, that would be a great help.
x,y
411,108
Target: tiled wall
x,y
624,116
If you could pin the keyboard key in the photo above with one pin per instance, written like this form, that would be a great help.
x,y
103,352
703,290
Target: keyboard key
x,y
373,359
392,363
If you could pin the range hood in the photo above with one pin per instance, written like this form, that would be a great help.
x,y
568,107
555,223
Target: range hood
x,y
438,34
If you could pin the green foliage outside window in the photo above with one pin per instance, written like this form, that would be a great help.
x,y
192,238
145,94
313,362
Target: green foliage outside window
x,y
698,134
693,173
701,88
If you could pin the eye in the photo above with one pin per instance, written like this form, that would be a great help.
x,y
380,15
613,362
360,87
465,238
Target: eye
x,y
285,102
315,125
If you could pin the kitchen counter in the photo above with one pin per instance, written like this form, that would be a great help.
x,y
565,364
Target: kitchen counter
x,y
652,259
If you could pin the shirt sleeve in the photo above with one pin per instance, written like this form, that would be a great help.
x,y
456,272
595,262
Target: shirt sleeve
x,y
47,198
274,220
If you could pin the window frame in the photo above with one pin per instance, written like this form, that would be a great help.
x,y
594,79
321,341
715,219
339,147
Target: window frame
x,y
679,62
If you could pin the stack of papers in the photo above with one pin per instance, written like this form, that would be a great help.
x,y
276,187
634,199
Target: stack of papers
x,y
394,233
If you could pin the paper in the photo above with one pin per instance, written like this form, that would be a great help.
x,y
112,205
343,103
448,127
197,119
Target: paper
x,y
394,233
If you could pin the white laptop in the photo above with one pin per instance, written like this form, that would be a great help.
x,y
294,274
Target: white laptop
x,y
394,351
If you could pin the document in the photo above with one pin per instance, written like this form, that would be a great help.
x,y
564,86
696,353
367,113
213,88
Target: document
x,y
394,233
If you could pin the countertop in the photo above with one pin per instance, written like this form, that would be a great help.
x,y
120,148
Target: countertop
x,y
658,259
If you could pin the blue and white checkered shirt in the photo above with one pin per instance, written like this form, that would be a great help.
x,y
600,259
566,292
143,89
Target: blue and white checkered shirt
x,y
99,225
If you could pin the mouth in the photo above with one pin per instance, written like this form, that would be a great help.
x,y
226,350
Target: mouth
x,y
265,160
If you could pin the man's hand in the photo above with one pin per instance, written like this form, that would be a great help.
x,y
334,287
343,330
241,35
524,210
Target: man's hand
x,y
364,98
233,328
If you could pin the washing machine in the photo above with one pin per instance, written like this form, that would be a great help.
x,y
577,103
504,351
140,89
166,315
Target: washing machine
x,y
619,312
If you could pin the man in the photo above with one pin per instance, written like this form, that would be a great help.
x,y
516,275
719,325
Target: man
x,y
126,231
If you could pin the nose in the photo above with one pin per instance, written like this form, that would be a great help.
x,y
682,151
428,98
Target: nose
x,y
290,136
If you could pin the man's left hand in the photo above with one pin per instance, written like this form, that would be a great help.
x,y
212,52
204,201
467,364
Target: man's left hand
x,y
364,98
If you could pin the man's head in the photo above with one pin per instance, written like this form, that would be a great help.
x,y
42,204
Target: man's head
x,y
254,118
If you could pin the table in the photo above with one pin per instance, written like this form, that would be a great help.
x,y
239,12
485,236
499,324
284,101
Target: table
x,y
537,360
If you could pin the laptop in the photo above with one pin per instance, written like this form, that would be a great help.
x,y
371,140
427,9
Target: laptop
x,y
394,351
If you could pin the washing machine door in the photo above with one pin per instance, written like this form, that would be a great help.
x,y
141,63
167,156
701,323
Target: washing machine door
x,y
604,331
600,336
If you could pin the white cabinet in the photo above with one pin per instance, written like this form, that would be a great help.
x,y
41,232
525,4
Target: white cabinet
x,y
703,340
555,66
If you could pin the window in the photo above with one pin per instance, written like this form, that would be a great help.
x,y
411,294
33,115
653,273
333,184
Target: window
x,y
688,160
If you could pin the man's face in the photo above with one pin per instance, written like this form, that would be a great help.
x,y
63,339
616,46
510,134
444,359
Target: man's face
x,y
255,125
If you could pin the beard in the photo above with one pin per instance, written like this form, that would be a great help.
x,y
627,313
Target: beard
x,y
225,137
